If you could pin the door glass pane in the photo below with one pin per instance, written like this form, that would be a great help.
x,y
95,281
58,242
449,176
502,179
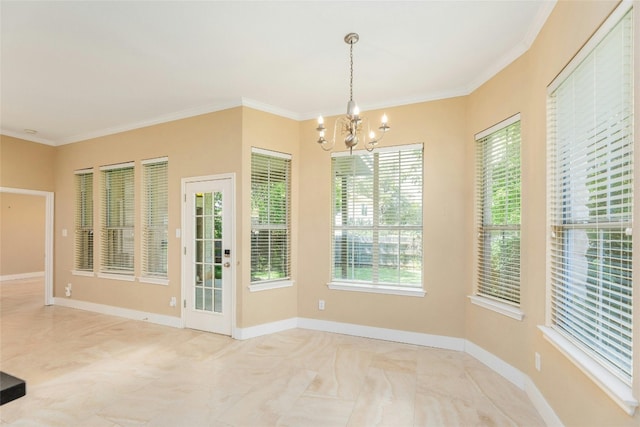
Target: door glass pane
x,y
198,226
218,227
208,228
218,244
218,278
199,274
207,204
217,300
208,299
218,204
207,274
208,252
198,298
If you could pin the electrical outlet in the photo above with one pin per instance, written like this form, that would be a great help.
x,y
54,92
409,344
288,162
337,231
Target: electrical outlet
x,y
538,362
67,290
172,302
321,304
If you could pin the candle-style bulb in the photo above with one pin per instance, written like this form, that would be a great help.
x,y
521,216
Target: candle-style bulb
x,y
384,118
356,111
320,120
372,135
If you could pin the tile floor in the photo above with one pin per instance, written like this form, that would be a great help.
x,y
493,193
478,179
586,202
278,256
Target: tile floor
x,y
88,369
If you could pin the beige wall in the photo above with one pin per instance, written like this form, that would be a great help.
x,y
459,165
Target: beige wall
x,y
521,87
21,234
447,203
26,165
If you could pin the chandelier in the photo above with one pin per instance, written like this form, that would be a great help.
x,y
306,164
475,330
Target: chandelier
x,y
353,127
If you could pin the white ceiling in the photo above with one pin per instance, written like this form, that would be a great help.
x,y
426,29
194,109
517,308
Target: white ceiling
x,y
73,70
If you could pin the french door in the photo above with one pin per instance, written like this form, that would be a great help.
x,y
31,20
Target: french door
x,y
208,257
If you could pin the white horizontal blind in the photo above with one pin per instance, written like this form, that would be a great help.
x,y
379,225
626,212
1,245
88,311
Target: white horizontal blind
x,y
377,216
498,212
270,216
84,220
117,219
590,156
155,217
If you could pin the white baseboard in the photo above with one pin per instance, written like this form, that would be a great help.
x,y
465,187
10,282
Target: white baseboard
x,y
21,276
394,335
265,329
511,374
159,319
517,378
539,402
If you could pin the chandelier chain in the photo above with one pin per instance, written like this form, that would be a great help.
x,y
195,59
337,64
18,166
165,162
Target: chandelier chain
x,y
351,71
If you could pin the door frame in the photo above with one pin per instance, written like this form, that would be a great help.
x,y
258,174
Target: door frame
x,y
48,236
183,244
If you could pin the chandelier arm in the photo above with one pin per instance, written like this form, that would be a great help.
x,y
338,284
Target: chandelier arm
x,y
326,147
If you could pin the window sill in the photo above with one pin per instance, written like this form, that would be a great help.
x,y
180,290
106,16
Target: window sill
x,y
615,388
114,276
377,289
153,280
82,273
497,306
265,286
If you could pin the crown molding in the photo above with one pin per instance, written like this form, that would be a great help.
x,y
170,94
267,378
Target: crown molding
x,y
27,137
538,22
267,108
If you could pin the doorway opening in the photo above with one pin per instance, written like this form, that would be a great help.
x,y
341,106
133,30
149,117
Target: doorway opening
x,y
48,236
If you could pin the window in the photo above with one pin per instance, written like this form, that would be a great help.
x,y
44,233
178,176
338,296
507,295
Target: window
x,y
590,127
155,218
117,219
498,211
270,212
84,221
377,217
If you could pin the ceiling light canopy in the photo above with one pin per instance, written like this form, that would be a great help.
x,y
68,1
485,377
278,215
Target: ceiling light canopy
x,y
352,127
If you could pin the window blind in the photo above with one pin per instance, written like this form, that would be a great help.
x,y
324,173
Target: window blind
x,y
590,128
117,219
270,215
155,217
377,216
84,220
498,211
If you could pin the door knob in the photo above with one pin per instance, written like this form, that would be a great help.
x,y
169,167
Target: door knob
x,y
227,264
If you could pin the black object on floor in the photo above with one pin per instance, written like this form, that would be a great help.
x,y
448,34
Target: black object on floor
x,y
11,388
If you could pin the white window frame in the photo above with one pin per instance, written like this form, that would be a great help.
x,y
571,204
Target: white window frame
x,y
493,138
106,271
84,210
370,287
619,390
267,284
149,227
